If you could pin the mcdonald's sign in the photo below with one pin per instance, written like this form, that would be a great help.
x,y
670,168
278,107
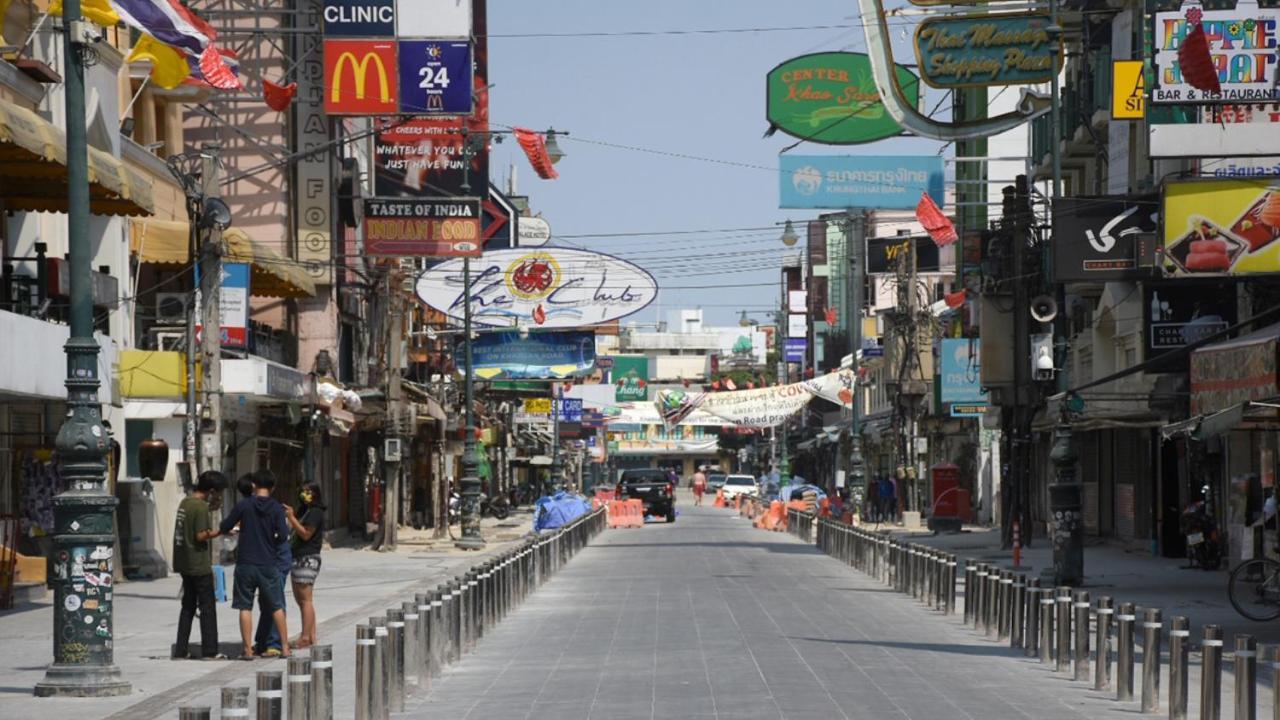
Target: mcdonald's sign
x,y
360,77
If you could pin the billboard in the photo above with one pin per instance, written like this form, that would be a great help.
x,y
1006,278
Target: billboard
x,y
359,18
549,355
548,287
961,376
1242,44
844,181
1221,227
422,227
361,77
987,50
630,377
831,98
1128,90
435,77
1103,238
433,18
884,254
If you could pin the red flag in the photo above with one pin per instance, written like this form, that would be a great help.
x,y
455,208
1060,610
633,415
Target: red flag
x,y
1196,62
278,97
955,299
215,70
830,316
934,222
535,148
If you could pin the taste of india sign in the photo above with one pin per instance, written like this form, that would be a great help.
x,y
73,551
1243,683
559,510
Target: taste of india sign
x,y
987,50
831,98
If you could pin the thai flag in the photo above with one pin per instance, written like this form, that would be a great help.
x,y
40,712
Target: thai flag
x,y
169,22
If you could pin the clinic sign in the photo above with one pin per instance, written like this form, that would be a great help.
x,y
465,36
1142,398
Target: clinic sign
x,y
877,182
359,18
1242,45
987,50
831,98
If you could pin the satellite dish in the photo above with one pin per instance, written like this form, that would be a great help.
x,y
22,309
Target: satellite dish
x,y
1044,308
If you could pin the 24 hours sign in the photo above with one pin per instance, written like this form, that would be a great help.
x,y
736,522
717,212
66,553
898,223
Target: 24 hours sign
x,y
435,77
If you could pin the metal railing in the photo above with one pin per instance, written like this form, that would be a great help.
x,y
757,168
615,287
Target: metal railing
x,y
401,652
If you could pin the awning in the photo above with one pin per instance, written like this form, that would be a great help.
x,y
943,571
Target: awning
x,y
166,242
33,170
1244,416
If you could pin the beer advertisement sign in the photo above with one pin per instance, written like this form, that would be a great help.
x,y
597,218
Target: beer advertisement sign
x,y
987,50
831,98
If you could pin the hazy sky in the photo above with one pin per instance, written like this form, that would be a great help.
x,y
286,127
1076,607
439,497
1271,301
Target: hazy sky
x,y
691,94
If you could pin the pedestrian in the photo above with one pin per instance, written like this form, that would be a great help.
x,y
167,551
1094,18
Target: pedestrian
x,y
307,523
192,559
262,531
699,486
888,500
873,501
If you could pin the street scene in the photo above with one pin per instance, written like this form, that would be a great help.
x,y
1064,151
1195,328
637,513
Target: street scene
x,y
495,359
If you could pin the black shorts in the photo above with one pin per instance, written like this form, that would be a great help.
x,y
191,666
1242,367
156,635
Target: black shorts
x,y
257,579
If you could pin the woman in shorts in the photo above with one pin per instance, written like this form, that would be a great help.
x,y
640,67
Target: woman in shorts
x,y
307,523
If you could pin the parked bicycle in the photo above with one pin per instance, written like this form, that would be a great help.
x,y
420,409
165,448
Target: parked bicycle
x,y
1254,589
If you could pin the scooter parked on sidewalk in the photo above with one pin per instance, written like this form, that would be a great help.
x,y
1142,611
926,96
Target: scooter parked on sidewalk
x,y
1204,542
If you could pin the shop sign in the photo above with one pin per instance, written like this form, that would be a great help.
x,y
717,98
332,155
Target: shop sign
x,y
533,232
312,175
797,325
1103,238
435,77
884,254
1242,43
359,18
537,406
962,377
284,382
630,377
233,305
831,98
1221,227
1182,312
794,350
1128,90
839,182
540,288
434,18
1227,116
546,355
422,227
1243,370
569,410
987,50
360,77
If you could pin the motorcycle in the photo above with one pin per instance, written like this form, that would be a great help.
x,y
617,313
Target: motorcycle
x,y
499,507
1204,543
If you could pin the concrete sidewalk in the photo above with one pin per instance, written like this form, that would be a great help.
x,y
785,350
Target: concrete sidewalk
x,y
354,584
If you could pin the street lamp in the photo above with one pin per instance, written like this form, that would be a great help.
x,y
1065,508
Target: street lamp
x,y
84,516
789,236
553,148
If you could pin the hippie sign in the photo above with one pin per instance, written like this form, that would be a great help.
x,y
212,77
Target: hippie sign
x,y
987,50
831,98
543,288
1242,44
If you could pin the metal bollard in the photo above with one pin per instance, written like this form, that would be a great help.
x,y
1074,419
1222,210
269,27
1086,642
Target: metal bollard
x,y
1081,605
422,603
411,643
1246,672
203,712
395,656
1006,604
1102,640
1179,661
970,575
991,601
1031,636
1211,674
980,587
299,672
1017,611
1063,645
951,585
1151,639
1275,683
270,695
1046,625
366,674
1124,651
382,648
235,702
321,682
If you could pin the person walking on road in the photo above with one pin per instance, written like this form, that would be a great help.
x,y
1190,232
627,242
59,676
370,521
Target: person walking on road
x,y
307,523
699,486
262,531
192,559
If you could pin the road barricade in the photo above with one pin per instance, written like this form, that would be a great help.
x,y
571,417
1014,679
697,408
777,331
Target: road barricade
x,y
775,518
626,513
719,498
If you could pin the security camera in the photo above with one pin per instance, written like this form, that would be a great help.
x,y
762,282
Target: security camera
x,y
85,32
1044,365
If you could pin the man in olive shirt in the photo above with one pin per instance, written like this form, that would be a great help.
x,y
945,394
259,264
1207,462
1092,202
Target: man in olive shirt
x,y
192,559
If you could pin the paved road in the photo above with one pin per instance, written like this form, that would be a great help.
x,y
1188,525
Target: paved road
x,y
710,618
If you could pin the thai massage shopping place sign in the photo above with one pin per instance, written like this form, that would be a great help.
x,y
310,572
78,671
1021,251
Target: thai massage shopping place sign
x,y
986,50
1242,44
831,98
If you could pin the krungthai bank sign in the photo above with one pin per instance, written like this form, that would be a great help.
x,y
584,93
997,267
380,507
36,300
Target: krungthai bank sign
x,y
360,77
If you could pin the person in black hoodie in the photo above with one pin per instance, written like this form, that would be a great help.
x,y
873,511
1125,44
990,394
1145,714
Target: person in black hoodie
x,y
262,530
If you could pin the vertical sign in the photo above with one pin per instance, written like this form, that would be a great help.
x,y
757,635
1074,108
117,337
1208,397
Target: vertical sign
x,y
312,175
233,305
435,77
630,378
1128,91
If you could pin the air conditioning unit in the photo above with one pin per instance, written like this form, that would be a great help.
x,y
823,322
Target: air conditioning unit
x,y
171,308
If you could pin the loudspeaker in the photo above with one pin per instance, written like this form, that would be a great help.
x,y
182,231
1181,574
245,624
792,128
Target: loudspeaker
x,y
1044,308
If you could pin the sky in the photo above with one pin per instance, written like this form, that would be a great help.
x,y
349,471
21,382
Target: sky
x,y
697,95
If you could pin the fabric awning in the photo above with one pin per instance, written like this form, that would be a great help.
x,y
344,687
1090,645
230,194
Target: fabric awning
x,y
1247,415
166,242
33,170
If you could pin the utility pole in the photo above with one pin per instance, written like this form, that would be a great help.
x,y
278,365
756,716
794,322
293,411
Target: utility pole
x,y
395,414
1017,228
211,318
856,243
470,481
84,516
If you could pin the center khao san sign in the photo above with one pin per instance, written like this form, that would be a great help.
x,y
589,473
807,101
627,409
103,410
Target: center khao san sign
x,y
831,98
547,287
987,50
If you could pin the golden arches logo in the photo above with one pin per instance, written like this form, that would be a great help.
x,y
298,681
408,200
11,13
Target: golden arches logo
x,y
360,74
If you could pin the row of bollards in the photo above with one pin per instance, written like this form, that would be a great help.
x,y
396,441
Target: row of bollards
x,y
402,650
1060,626
800,524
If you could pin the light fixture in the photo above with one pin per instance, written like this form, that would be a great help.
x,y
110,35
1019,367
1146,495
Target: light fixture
x,y
215,215
553,148
744,321
789,236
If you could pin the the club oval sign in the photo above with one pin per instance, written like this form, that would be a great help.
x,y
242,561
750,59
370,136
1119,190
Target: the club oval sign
x,y
540,288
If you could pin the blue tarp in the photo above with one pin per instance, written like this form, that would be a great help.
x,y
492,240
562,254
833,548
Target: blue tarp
x,y
558,510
